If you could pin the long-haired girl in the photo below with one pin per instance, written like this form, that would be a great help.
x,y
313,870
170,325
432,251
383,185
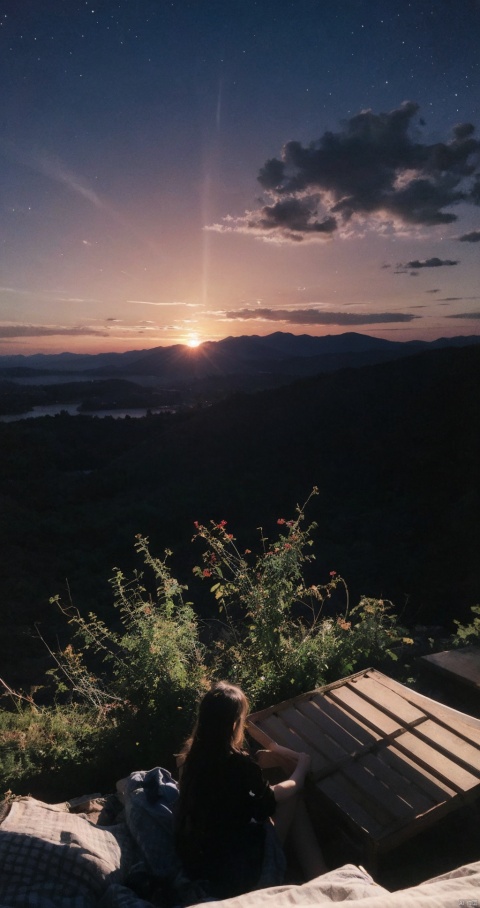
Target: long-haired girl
x,y
224,804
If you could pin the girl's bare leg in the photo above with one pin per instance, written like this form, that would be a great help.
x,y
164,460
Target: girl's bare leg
x,y
292,822
305,843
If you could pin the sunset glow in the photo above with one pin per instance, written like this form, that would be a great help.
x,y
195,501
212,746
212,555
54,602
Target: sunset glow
x,y
264,178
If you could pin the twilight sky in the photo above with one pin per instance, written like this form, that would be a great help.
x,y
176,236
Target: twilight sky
x,y
187,170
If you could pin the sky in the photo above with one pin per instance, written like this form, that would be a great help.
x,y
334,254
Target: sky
x,y
174,172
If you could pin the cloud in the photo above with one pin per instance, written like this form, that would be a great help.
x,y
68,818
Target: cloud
x,y
48,331
374,169
293,219
473,237
173,303
472,315
318,317
428,263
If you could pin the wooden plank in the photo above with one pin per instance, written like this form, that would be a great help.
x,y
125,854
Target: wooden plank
x,y
338,721
446,741
394,704
264,713
273,729
375,718
462,665
465,725
338,792
313,735
279,732
380,794
418,801
435,762
433,787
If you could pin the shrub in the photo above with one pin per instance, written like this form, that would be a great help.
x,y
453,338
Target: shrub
x,y
132,688
468,633
151,667
43,742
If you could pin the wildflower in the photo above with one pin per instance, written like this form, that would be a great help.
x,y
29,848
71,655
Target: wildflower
x,y
281,520
287,546
222,524
229,535
206,572
248,552
345,625
333,573
196,524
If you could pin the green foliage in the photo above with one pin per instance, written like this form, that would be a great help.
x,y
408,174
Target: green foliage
x,y
468,633
42,741
272,640
151,665
131,684
367,639
275,641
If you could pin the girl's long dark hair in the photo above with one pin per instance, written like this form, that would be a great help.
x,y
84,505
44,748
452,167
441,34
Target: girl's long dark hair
x,y
217,732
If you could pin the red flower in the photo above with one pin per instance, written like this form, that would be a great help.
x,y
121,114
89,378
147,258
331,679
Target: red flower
x,y
281,520
229,535
196,524
333,573
207,573
222,524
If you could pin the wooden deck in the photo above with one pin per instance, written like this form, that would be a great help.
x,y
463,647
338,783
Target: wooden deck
x,y
461,665
386,761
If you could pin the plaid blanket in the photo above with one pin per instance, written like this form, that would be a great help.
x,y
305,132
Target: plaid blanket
x,y
51,858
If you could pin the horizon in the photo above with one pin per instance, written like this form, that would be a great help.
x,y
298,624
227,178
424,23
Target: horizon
x,y
178,173
196,346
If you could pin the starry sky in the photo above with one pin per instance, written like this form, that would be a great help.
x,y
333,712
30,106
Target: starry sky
x,y
173,172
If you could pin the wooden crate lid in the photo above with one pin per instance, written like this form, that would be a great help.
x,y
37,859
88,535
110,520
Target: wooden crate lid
x,y
387,759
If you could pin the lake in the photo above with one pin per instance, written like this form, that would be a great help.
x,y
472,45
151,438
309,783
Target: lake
x,y
72,409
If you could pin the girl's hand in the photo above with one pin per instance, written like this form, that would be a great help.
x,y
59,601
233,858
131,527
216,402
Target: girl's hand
x,y
286,752
304,760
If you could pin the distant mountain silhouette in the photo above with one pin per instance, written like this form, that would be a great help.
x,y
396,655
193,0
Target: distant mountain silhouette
x,y
274,359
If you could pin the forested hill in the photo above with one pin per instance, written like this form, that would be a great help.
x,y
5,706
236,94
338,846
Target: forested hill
x,y
393,448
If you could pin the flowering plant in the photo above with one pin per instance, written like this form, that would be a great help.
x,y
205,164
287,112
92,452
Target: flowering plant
x,y
274,640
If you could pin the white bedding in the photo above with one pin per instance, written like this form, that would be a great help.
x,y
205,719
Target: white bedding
x,y
53,859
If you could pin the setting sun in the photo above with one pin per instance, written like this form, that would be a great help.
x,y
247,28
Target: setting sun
x,y
193,341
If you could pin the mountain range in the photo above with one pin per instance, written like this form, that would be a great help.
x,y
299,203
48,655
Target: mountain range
x,y
272,359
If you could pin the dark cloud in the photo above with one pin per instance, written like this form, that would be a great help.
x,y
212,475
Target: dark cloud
x,y
428,263
318,317
473,237
473,315
294,218
48,331
374,167
435,290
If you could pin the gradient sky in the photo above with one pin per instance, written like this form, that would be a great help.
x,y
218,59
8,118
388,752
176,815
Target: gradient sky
x,y
181,170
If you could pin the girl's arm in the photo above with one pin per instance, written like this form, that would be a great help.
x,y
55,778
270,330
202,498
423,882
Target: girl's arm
x,y
294,784
282,751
